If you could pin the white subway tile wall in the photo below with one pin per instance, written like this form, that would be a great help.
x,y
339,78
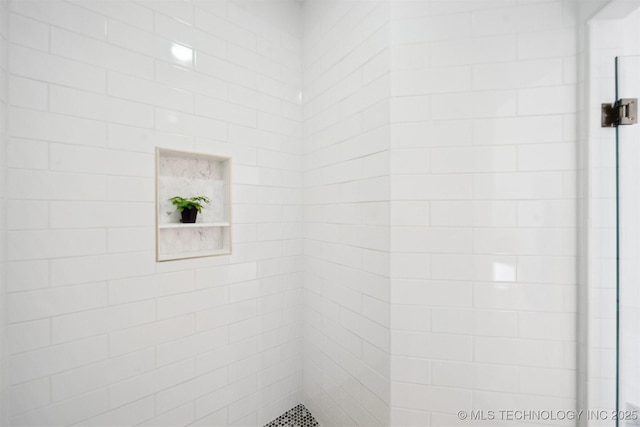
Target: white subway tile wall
x,y
481,102
99,333
4,220
346,209
405,192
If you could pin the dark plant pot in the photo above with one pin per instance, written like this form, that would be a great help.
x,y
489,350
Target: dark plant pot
x,y
189,215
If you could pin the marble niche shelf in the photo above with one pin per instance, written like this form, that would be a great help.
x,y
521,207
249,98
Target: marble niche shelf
x,y
188,174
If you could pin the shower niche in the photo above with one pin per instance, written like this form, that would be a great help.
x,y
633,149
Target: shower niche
x,y
189,174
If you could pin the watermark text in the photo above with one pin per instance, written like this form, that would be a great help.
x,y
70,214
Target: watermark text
x,y
546,415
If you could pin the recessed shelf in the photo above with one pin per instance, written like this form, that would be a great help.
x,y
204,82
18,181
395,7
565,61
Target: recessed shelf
x,y
194,225
198,254
188,174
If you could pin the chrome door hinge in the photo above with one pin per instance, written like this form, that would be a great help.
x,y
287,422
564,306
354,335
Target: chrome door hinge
x,y
623,112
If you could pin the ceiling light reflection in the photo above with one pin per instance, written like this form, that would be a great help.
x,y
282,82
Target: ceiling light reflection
x,y
182,53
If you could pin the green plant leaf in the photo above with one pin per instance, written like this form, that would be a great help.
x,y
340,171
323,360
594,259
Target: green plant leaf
x,y
182,203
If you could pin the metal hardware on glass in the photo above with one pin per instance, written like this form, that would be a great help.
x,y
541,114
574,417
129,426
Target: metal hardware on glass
x,y
623,112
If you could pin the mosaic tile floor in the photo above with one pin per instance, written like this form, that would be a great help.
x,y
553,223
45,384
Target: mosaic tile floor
x,y
296,417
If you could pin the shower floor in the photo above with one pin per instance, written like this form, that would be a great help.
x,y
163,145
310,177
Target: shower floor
x,y
295,417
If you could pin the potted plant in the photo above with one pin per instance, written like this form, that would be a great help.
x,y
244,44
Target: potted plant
x,y
189,207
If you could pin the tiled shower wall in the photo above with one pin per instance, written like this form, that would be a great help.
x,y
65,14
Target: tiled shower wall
x,y
600,299
346,212
483,210
481,155
4,391
596,362
471,137
99,333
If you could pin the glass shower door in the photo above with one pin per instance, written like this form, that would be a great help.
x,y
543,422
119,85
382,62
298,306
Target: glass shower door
x,y
628,248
